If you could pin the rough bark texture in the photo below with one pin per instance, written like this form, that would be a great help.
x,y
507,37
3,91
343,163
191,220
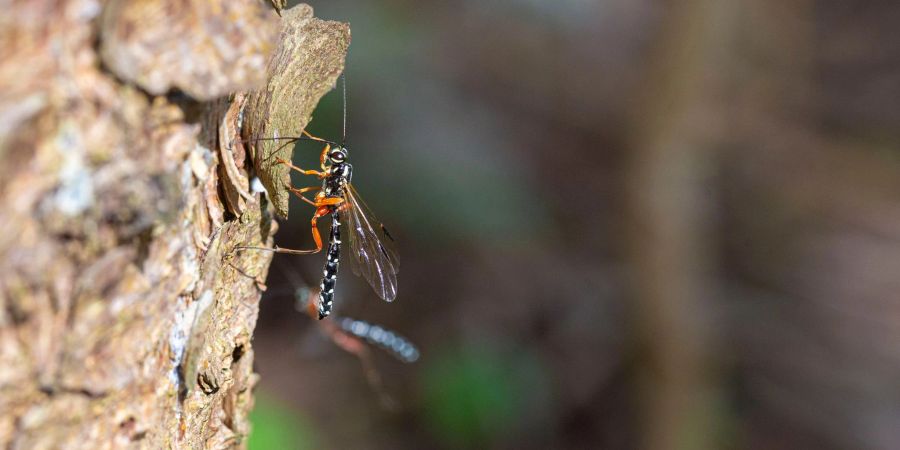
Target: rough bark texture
x,y
297,80
125,315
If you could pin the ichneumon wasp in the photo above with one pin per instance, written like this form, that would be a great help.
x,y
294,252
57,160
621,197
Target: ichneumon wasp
x,y
371,246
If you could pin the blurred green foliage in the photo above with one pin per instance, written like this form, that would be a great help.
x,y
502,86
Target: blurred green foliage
x,y
278,427
447,187
474,394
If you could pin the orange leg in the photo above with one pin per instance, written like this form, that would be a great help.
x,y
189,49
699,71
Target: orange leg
x,y
302,170
324,206
317,238
299,193
323,156
315,233
291,140
324,152
314,137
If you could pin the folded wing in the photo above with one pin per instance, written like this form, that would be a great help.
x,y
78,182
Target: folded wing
x,y
372,252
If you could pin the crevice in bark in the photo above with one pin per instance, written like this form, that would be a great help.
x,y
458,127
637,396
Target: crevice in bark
x,y
124,313
52,390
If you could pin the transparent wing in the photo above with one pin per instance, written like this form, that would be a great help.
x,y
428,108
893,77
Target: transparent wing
x,y
372,253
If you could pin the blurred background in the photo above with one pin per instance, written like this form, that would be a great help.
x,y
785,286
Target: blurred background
x,y
622,224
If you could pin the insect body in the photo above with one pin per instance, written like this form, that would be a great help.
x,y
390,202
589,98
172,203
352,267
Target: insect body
x,y
334,186
371,249
371,246
329,273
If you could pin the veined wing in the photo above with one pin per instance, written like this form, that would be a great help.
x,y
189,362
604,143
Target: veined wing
x,y
372,253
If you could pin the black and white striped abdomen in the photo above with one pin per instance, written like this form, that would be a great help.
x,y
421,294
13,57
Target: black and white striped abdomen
x,y
329,273
394,344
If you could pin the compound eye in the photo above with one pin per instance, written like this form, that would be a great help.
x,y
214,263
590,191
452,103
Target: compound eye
x,y
337,155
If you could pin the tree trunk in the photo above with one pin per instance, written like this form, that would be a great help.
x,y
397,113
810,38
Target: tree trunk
x,y
126,315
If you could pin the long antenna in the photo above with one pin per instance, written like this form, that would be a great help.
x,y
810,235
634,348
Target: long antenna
x,y
344,82
288,138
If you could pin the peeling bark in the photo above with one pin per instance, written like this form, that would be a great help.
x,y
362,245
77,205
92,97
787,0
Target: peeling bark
x,y
125,315
307,63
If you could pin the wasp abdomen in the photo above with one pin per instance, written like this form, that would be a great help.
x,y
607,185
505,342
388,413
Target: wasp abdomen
x,y
329,273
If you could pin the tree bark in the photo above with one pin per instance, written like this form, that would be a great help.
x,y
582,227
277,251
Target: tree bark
x,y
126,315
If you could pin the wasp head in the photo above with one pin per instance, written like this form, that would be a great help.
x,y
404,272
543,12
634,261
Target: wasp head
x,y
337,155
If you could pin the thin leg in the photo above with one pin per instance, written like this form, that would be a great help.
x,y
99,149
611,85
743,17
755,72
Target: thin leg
x,y
324,151
357,347
315,233
323,156
322,211
305,136
278,249
299,193
302,170
306,133
330,201
315,229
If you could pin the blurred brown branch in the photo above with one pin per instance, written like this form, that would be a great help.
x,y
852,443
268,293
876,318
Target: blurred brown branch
x,y
670,154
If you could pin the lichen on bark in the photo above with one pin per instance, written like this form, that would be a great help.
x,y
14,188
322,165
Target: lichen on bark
x,y
125,315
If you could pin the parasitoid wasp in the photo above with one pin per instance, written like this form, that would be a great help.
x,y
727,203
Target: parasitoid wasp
x,y
372,253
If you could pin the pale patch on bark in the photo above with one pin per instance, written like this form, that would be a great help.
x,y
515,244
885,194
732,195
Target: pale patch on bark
x,y
125,315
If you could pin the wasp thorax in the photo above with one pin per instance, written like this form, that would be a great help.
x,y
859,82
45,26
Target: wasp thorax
x,y
338,155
